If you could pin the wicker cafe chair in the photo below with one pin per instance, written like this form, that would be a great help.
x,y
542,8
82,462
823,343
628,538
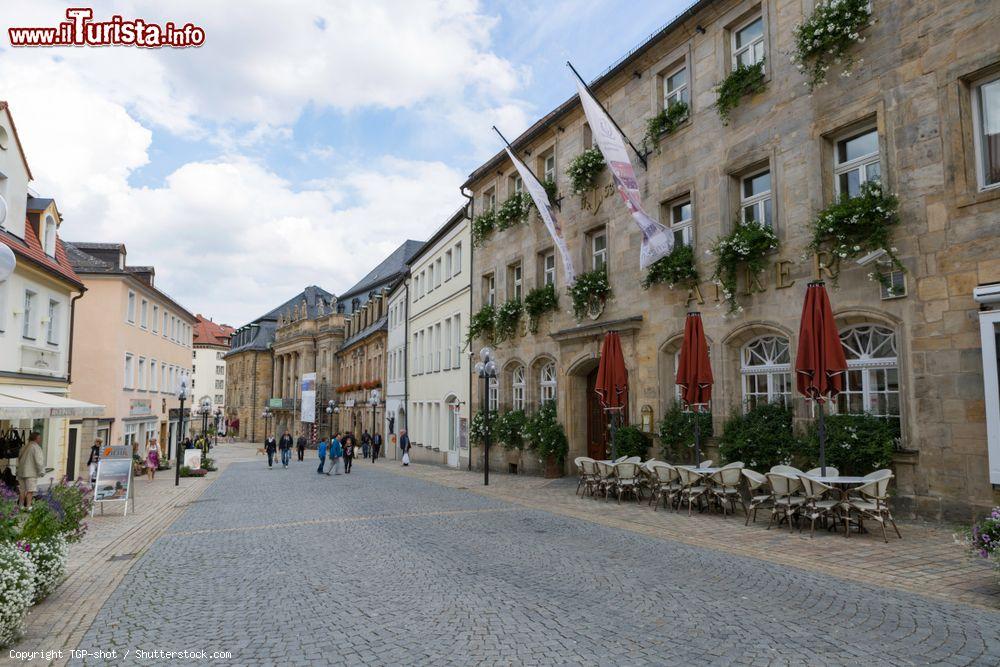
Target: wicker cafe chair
x,y
786,503
786,470
818,472
693,487
871,501
647,478
757,491
818,504
605,478
726,487
627,479
707,463
589,476
620,459
580,472
667,485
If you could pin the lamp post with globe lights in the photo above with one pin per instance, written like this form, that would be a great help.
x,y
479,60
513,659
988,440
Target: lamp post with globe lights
x,y
181,396
373,399
265,415
486,369
205,410
332,408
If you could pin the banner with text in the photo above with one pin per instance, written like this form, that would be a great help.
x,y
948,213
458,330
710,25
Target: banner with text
x,y
308,397
548,214
657,241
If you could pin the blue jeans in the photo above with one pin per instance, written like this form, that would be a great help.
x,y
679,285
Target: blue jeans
x,y
322,462
286,456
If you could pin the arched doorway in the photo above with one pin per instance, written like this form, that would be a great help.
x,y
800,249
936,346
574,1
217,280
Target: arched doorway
x,y
451,410
598,439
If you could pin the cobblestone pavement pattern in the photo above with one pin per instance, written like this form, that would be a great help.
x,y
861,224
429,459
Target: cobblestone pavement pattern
x,y
289,567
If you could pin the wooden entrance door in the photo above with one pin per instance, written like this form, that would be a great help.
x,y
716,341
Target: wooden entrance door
x,y
597,422
71,439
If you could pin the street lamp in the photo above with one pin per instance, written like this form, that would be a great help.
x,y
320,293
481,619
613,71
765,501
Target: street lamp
x,y
373,401
487,370
265,416
331,408
181,396
205,411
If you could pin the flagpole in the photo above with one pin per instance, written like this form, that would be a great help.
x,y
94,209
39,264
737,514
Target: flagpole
x,y
641,156
503,137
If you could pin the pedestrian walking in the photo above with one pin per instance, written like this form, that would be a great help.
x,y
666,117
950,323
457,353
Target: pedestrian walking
x,y
271,447
348,454
301,444
285,445
152,458
95,456
335,452
376,446
404,446
366,443
321,450
30,466
234,429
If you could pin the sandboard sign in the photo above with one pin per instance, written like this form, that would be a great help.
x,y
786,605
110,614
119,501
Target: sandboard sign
x,y
114,482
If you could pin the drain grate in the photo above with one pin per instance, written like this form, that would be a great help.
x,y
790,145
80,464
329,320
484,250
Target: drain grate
x,y
123,557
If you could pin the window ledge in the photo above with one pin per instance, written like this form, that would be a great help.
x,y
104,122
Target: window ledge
x,y
978,196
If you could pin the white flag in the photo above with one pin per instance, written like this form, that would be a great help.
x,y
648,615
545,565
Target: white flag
x,y
657,241
548,214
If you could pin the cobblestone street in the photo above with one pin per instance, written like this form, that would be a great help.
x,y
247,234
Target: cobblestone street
x,y
289,567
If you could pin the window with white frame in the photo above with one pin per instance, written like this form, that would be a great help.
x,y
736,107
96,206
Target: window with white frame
x,y
50,236
767,371
490,200
986,124
141,379
549,167
748,42
437,346
547,384
447,265
457,341
599,249
446,343
493,394
416,353
675,87
130,314
144,314
458,259
490,289
856,161
437,272
681,221
154,376
872,382
130,433
129,370
28,326
515,282
517,184
52,326
166,330
755,198
156,319
165,385
549,268
517,389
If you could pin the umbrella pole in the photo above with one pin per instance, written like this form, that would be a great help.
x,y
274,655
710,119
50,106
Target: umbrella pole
x,y
697,438
822,439
614,430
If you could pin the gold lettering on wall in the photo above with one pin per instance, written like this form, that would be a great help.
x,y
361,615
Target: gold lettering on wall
x,y
694,294
782,269
753,281
826,263
591,201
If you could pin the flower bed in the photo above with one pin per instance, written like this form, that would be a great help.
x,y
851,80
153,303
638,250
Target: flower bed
x,y
49,558
17,590
826,37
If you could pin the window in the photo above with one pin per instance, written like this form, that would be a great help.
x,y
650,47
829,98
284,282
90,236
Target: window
x,y
856,162
872,382
599,249
490,200
458,259
493,394
547,384
220,370
437,346
131,430
166,331
894,286
549,167
457,341
416,354
28,326
767,372
437,273
517,388
675,87
447,265
755,198
52,333
156,319
517,185
489,289
549,268
144,314
129,370
165,384
515,282
154,377
446,343
748,43
986,123
220,384
131,307
681,222
50,236
141,380
218,399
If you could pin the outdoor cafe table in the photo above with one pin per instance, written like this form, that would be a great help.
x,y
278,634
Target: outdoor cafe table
x,y
702,471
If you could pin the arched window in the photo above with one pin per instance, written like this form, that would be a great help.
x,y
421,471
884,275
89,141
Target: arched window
x,y
547,384
767,371
494,394
517,388
872,383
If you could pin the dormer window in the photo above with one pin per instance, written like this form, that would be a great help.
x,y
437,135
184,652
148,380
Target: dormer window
x,y
50,236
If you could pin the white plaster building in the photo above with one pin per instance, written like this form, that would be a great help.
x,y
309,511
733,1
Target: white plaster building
x,y
438,371
395,372
208,375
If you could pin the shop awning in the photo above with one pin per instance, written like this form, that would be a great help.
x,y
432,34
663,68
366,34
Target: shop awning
x,y
22,403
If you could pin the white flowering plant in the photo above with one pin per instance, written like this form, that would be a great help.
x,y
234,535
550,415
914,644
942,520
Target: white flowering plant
x,y
747,245
513,211
664,123
506,319
584,170
856,226
49,558
17,590
482,226
742,81
481,323
855,444
589,292
676,268
826,37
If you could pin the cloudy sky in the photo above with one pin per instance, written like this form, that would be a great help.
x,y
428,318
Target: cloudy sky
x,y
305,140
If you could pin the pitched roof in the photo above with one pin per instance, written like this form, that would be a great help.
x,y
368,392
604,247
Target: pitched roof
x,y
30,248
312,295
389,269
379,324
263,328
428,245
207,332
24,158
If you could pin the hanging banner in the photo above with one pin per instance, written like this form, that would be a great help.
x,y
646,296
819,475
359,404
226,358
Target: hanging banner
x,y
548,214
657,241
308,398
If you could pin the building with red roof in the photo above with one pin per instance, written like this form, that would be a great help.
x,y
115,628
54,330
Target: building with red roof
x,y
208,376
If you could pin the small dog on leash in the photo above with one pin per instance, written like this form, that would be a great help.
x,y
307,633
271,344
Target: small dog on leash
x,y
261,452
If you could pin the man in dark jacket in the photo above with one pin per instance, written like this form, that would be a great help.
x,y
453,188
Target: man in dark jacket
x,y
366,443
376,446
348,446
271,447
286,448
301,445
404,446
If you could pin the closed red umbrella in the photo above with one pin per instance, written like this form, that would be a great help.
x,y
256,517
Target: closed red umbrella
x,y
820,363
694,373
612,381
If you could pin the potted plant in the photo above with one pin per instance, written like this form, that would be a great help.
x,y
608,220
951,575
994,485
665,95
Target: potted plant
x,y
482,323
825,39
546,436
742,81
584,170
664,123
747,245
676,268
505,320
538,302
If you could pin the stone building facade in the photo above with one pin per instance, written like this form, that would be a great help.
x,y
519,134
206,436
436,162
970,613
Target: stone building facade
x,y
919,112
